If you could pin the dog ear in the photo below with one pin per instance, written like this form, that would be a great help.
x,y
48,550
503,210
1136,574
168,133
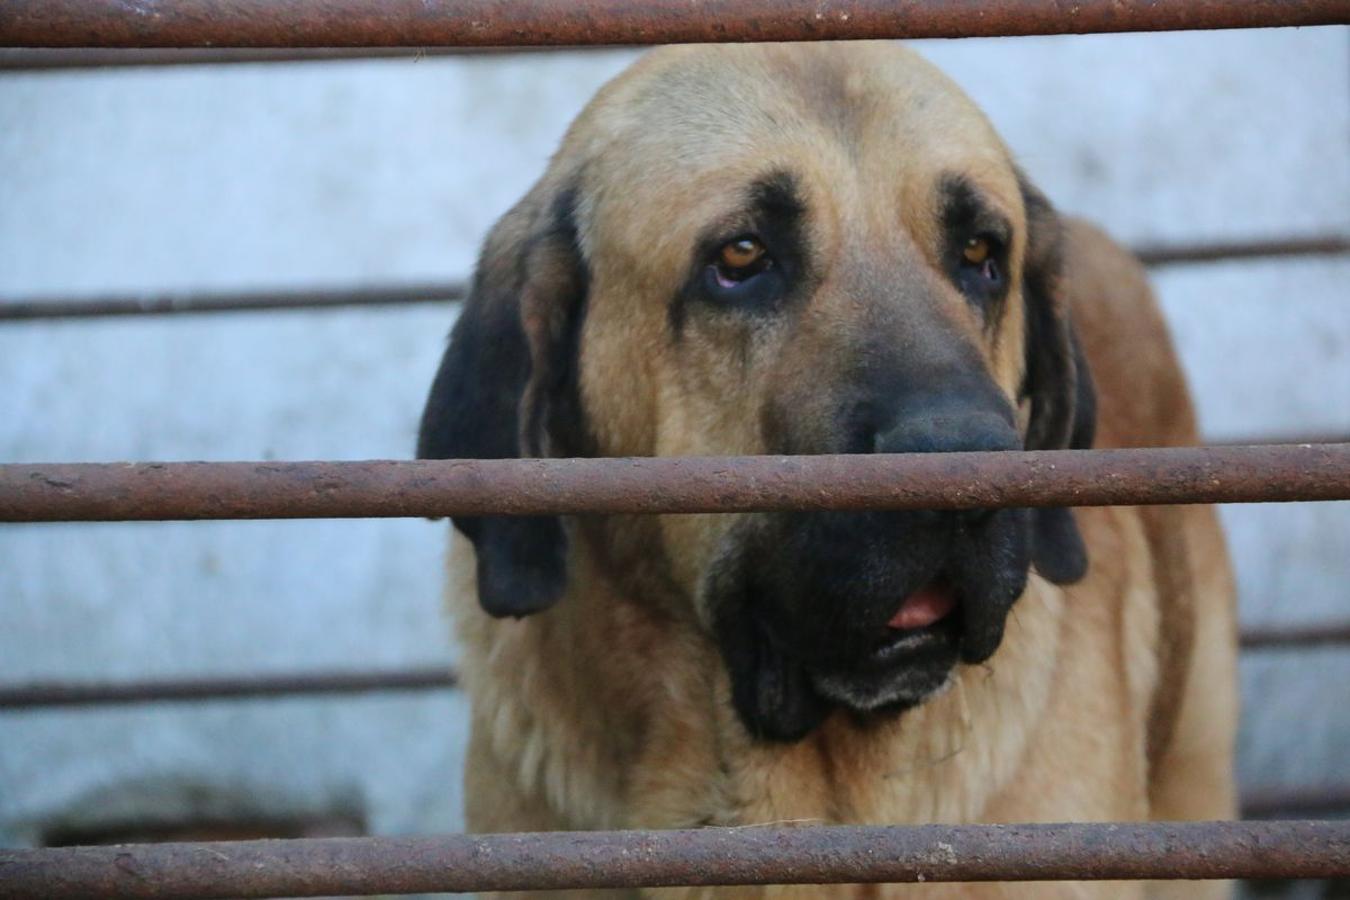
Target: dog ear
x,y
506,388
1057,383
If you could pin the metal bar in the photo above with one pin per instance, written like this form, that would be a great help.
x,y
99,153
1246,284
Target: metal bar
x,y
48,694
40,59
1296,636
103,492
706,856
1224,251
1270,803
209,302
487,23
1261,440
49,58
454,291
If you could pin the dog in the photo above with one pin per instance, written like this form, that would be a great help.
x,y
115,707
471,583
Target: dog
x,y
806,249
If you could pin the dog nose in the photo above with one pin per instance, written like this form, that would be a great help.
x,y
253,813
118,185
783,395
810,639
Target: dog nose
x,y
950,432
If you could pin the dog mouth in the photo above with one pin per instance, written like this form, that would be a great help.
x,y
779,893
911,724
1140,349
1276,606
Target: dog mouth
x,y
930,615
871,621
911,661
926,606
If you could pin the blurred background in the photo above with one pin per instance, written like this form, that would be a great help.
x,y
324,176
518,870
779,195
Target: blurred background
x,y
386,173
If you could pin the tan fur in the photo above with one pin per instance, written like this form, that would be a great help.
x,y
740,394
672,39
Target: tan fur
x,y
1111,699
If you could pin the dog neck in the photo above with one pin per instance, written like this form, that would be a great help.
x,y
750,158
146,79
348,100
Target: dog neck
x,y
610,713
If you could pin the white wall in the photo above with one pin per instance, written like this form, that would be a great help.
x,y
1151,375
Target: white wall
x,y
356,172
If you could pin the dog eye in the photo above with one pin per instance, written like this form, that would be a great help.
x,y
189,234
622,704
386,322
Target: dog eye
x,y
979,261
976,250
740,260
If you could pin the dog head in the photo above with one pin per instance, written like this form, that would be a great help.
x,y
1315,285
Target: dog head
x,y
781,249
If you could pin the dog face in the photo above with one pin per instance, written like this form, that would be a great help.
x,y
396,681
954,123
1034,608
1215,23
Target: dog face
x,y
781,249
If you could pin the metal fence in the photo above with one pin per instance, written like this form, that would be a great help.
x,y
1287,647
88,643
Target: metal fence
x,y
145,491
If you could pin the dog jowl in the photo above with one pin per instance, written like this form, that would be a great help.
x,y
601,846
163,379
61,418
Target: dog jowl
x,y
716,263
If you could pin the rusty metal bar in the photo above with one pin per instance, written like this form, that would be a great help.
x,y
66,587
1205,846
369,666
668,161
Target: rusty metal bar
x,y
1272,803
707,856
49,694
454,291
1281,637
434,488
487,23
248,301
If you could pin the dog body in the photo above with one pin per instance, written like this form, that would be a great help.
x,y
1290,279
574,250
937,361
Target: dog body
x,y
823,249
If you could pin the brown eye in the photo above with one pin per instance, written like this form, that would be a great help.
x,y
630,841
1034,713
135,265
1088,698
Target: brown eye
x,y
976,250
741,253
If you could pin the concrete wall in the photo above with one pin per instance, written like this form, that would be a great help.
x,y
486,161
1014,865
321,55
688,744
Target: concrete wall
x,y
354,172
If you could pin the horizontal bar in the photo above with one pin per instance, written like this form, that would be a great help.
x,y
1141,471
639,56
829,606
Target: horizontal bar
x,y
48,694
1322,800
105,492
38,59
489,23
1261,440
1261,803
453,291
246,301
706,856
1281,637
1225,251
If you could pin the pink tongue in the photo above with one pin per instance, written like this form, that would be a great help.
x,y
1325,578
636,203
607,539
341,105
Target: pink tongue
x,y
923,607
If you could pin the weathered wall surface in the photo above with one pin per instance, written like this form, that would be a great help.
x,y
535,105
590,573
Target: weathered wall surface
x,y
365,172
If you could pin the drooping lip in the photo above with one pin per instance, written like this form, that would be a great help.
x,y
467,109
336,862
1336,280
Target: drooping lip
x,y
926,606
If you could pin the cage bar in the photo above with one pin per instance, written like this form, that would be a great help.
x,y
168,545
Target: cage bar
x,y
705,856
491,23
53,694
1324,800
700,484
38,695
1296,637
44,58
1156,255
167,302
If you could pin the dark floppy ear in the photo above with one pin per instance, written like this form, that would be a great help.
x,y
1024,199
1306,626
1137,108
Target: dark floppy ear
x,y
1057,384
506,387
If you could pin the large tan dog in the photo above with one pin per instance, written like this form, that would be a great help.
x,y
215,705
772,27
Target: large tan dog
x,y
823,249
